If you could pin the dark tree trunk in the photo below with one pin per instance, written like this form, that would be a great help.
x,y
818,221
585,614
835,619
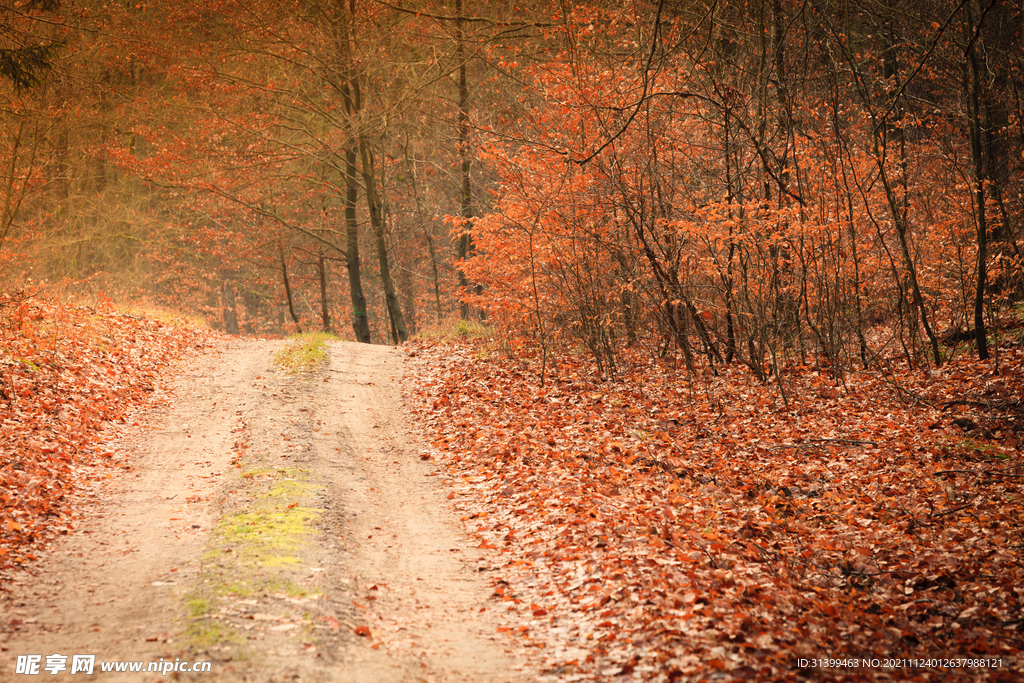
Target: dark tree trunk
x,y
360,320
975,108
465,194
325,309
288,293
373,203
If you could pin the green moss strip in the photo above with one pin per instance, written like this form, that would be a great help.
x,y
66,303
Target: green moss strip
x,y
254,551
304,352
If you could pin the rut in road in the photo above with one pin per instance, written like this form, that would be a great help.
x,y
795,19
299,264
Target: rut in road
x,y
279,527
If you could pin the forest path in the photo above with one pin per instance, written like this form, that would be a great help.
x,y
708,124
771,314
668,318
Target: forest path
x,y
328,554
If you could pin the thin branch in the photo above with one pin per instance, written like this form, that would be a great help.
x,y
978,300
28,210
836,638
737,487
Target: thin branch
x,y
478,20
852,442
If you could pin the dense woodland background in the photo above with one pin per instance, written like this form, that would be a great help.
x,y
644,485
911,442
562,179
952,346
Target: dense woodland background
x,y
741,182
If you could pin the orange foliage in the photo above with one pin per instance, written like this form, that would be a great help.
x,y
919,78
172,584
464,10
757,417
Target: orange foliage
x,y
671,200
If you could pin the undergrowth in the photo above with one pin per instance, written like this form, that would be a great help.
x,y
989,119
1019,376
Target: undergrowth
x,y
455,328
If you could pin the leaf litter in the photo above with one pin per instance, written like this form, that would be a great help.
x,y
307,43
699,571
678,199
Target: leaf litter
x,y
70,380
669,527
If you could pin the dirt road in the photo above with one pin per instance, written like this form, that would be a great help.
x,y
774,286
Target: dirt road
x,y
281,528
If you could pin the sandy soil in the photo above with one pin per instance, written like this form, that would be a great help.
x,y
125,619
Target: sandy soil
x,y
283,528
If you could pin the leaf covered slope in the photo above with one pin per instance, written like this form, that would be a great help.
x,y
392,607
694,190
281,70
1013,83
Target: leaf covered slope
x,y
69,377
671,527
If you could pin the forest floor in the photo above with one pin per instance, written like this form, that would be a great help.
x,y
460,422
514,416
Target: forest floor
x,y
440,513
281,527
665,526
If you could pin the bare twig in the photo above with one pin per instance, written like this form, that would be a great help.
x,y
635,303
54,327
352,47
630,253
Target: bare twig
x,y
966,402
817,441
908,392
936,515
703,548
998,473
852,442
12,298
987,405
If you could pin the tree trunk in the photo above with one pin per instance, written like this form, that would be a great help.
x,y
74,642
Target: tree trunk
x,y
288,293
14,187
373,203
410,299
975,104
360,320
727,281
436,271
897,208
325,310
345,86
465,194
424,223
352,97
